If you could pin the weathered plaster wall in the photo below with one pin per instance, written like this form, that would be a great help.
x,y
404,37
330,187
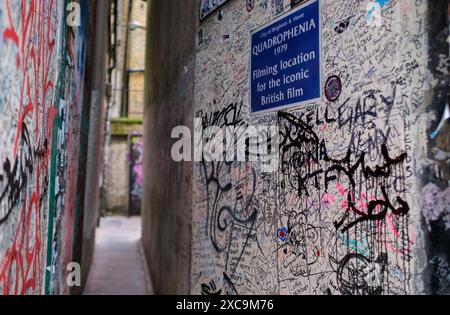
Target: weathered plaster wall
x,y
345,200
41,87
167,187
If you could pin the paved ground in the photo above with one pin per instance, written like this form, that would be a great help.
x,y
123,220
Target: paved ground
x,y
117,268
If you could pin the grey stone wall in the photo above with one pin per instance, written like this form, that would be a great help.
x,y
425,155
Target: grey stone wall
x,y
167,198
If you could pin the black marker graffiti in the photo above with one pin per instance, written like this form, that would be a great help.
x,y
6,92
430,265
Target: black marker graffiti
x,y
358,275
304,158
15,176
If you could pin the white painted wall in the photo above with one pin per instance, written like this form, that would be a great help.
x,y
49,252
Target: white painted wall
x,y
239,212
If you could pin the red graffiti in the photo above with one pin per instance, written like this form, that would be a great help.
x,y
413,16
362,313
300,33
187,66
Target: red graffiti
x,y
31,30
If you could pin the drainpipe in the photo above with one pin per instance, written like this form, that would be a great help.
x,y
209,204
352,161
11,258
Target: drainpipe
x,y
126,81
113,52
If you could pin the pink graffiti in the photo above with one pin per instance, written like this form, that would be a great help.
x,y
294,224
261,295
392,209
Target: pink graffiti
x,y
387,230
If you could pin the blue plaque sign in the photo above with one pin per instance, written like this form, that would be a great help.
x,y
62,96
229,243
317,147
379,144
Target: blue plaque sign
x,y
285,60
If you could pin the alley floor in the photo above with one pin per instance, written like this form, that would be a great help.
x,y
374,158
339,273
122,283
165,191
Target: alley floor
x,y
118,267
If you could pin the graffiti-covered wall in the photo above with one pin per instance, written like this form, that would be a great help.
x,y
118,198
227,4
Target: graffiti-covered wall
x,y
41,67
342,214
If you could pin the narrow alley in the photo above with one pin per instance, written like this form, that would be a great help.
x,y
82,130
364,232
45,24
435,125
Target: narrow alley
x,y
119,266
224,148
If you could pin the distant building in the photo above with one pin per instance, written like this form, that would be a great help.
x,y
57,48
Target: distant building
x,y
121,182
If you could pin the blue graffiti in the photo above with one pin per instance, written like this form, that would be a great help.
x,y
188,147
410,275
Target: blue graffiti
x,y
382,3
360,246
282,234
444,119
370,16
377,5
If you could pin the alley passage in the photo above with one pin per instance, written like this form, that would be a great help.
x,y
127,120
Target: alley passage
x,y
117,268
